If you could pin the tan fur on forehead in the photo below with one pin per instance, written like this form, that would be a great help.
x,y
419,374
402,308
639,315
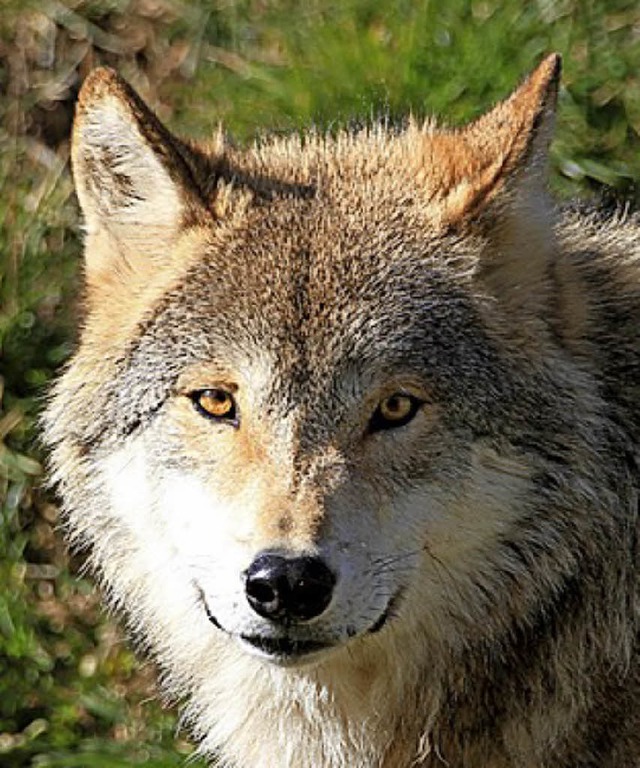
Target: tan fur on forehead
x,y
319,165
457,169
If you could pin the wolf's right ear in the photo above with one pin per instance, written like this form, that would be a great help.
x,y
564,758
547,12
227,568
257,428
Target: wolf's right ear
x,y
504,151
133,182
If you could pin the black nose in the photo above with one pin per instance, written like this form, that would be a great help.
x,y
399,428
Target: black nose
x,y
286,589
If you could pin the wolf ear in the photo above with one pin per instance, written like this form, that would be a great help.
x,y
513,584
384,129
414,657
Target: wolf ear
x,y
505,150
132,180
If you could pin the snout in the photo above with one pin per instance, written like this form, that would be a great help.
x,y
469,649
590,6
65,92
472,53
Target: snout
x,y
288,590
293,609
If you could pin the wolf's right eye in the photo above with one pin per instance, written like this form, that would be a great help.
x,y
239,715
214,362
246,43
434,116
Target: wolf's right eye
x,y
217,404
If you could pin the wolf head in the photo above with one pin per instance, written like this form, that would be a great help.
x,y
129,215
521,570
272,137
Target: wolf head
x,y
318,409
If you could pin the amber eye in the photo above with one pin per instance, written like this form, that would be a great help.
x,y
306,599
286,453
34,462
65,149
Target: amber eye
x,y
216,404
394,411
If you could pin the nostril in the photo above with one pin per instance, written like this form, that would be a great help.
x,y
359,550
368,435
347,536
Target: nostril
x,y
312,588
266,586
288,589
261,591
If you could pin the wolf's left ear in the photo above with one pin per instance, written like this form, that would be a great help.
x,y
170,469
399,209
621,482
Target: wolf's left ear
x,y
132,177
505,150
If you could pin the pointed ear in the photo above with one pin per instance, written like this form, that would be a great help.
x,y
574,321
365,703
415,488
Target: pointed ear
x,y
132,179
503,151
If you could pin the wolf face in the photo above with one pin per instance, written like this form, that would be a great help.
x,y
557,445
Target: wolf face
x,y
329,439
313,429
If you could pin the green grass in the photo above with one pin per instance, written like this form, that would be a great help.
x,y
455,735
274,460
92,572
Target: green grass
x,y
71,693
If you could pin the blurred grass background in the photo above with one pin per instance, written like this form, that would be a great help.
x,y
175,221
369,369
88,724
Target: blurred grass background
x,y
71,694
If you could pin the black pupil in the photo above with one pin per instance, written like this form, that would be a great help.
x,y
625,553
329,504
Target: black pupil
x,y
393,405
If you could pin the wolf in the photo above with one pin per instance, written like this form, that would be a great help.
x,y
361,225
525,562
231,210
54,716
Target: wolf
x,y
351,437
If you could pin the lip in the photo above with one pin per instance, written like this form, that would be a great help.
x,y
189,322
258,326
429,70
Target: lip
x,y
285,648
389,612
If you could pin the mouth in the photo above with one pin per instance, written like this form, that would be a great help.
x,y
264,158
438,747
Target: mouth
x,y
286,650
289,651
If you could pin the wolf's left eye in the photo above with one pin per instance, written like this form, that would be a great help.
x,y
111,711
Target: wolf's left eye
x,y
394,411
216,404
